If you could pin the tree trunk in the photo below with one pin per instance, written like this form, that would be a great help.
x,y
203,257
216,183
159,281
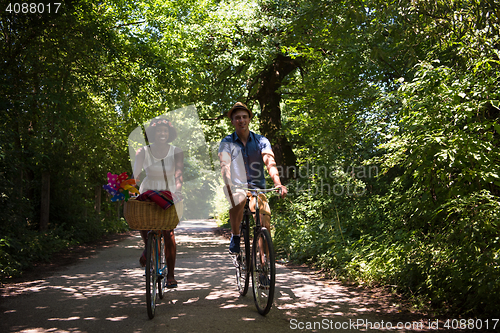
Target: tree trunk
x,y
269,99
45,201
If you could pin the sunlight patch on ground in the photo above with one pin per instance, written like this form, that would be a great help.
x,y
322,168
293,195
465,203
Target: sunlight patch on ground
x,y
233,306
178,316
117,318
194,286
189,241
192,300
63,319
43,330
216,294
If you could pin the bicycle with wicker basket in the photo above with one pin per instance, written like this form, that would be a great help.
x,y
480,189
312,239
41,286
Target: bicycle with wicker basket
x,y
145,215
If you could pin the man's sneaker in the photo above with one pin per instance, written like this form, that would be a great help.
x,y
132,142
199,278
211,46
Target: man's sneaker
x,y
234,246
264,281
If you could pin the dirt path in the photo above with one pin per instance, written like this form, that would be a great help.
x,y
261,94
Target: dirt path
x,y
106,293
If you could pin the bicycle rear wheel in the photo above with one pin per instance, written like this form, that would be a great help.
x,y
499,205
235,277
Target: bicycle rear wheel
x,y
263,271
243,260
151,274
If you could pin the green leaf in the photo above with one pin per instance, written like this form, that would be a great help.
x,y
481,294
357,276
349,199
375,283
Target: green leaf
x,y
497,127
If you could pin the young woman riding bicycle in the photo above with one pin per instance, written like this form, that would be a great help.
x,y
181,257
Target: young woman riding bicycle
x,y
163,164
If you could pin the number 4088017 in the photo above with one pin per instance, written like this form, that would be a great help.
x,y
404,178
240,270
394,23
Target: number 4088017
x,y
33,8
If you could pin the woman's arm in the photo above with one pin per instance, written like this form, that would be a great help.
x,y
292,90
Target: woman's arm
x,y
179,168
138,164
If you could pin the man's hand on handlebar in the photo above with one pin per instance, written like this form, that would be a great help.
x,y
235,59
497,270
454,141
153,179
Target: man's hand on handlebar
x,y
282,190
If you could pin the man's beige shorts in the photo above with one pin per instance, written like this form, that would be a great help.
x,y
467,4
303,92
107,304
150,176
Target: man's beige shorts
x,y
263,204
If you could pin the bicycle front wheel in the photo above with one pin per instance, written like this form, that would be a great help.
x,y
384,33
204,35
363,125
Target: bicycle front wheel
x,y
263,271
151,274
243,260
162,269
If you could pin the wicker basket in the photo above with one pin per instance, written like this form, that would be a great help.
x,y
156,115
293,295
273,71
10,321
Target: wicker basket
x,y
146,215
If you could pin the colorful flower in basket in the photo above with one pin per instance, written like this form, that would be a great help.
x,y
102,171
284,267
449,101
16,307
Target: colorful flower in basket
x,y
120,187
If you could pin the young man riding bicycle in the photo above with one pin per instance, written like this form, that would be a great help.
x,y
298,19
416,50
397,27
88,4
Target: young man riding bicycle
x,y
242,156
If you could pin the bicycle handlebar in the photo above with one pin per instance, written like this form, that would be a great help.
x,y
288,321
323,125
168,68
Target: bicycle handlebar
x,y
258,190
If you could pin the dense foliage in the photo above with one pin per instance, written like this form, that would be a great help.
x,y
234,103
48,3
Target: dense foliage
x,y
74,85
384,116
427,221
